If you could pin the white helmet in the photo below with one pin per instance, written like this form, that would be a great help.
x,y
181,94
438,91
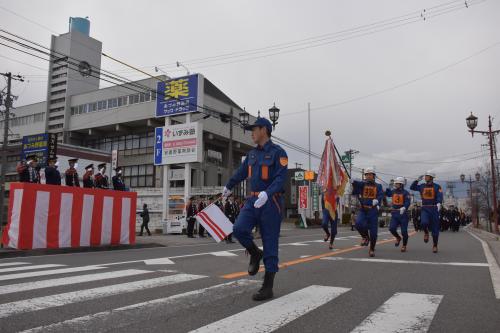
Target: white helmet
x,y
369,170
430,173
399,180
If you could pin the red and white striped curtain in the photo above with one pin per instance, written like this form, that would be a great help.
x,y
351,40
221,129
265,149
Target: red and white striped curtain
x,y
47,216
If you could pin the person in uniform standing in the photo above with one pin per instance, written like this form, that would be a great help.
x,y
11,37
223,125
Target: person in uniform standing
x,y
201,229
266,167
190,216
118,184
230,212
370,195
399,214
52,175
28,171
432,199
71,175
88,177
101,179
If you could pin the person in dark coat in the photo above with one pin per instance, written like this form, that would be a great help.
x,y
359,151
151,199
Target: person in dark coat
x,y
230,211
117,181
201,230
101,179
88,177
145,219
190,216
28,170
71,175
52,175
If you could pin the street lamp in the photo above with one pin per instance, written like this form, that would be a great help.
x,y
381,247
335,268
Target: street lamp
x,y
244,118
472,124
274,114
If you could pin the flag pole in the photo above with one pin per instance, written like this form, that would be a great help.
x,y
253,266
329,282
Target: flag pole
x,y
329,134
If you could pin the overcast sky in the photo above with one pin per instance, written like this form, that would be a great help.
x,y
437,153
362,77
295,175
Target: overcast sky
x,y
453,60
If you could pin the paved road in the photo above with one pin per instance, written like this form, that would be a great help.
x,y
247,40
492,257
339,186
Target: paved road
x,y
203,288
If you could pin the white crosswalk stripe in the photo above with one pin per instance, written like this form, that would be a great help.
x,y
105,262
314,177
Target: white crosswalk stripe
x,y
276,313
403,312
13,264
49,272
27,268
130,314
46,302
19,287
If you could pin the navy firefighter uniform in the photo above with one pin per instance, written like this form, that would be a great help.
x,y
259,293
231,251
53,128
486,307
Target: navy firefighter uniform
x,y
266,169
432,199
370,196
399,212
329,223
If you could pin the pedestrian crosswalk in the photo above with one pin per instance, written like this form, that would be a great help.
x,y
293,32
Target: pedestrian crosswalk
x,y
40,290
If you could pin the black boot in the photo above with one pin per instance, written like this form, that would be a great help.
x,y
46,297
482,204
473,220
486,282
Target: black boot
x,y
266,292
256,255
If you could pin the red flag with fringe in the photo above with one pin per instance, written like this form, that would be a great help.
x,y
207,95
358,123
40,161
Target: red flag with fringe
x,y
331,177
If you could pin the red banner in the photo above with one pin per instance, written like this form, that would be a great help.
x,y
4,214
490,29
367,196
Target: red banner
x,y
48,216
303,190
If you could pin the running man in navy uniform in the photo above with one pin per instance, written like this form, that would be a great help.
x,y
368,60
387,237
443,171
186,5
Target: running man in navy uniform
x,y
266,168
399,214
432,199
370,196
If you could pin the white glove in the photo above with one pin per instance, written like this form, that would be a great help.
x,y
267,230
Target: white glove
x,y
226,192
402,210
261,200
375,202
439,206
420,178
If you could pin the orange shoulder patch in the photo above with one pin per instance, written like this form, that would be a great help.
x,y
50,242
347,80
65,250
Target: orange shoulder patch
x,y
284,161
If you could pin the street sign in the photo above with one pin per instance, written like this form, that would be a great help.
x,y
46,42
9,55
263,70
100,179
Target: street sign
x,y
315,196
299,175
43,145
303,191
180,95
178,144
346,158
309,175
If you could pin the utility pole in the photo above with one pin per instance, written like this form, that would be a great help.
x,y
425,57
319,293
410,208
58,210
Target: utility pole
x,y
8,104
493,174
230,155
309,131
351,152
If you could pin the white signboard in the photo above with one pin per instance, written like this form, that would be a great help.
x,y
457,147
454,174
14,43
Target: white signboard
x,y
181,143
299,175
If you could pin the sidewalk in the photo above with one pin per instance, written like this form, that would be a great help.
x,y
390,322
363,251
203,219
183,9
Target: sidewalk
x,y
491,239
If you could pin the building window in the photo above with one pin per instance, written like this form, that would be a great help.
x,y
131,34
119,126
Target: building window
x,y
51,127
57,100
58,84
59,109
139,175
58,76
153,95
58,92
56,118
93,107
133,99
101,105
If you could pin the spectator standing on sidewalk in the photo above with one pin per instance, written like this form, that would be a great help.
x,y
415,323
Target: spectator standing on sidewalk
x,y
145,219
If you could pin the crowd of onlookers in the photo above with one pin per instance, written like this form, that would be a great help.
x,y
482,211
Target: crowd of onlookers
x,y
230,207
450,218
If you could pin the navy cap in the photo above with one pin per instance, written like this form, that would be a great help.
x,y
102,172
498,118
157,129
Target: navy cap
x,y
261,122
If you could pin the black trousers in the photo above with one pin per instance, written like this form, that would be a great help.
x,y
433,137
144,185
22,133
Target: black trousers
x,y
190,226
145,225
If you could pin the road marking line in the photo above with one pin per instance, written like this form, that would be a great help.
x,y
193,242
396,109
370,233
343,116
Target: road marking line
x,y
159,261
47,302
224,254
304,260
27,268
403,312
127,315
49,272
14,264
25,286
391,261
276,313
297,244
493,265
